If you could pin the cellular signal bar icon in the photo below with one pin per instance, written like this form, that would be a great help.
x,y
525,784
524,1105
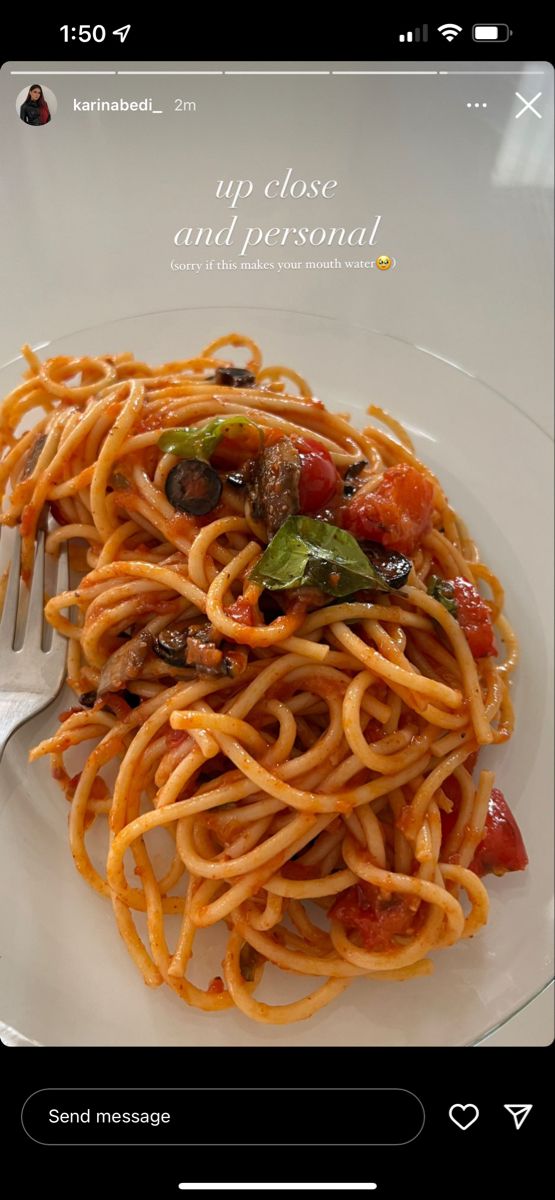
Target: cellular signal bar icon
x,y
415,35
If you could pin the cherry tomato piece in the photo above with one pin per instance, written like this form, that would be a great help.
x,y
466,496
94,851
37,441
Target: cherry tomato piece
x,y
319,478
474,618
502,847
397,513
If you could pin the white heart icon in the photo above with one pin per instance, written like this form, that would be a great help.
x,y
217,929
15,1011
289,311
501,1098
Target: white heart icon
x,y
467,1115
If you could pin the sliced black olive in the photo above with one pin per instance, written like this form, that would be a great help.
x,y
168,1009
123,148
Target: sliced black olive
x,y
392,566
171,646
355,469
236,479
193,486
132,699
88,699
237,377
349,490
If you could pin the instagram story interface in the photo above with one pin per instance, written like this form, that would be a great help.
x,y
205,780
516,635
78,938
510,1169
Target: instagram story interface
x,y
276,464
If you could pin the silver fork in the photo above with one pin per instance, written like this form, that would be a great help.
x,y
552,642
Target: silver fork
x,y
30,677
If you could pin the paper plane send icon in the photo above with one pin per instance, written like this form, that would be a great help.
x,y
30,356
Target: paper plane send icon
x,y
519,1112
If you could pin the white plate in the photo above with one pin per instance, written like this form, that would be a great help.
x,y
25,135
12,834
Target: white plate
x,y
66,978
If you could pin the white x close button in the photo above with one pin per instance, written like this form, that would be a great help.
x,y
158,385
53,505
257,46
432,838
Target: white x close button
x,y
528,106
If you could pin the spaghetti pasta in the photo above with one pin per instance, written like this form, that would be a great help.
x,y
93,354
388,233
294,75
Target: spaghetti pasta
x,y
306,745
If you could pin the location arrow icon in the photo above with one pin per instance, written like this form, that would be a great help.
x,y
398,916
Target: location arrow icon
x,y
519,1112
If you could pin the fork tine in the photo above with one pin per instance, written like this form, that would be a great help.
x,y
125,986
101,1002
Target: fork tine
x,y
35,611
11,600
62,581
58,645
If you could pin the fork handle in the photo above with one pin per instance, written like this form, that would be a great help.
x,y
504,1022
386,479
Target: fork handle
x,y
14,711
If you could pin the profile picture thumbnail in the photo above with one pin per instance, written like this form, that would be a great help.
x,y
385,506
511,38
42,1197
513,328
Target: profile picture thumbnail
x,y
36,105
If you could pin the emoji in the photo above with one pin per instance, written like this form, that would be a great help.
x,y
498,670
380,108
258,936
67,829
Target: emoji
x,y
383,262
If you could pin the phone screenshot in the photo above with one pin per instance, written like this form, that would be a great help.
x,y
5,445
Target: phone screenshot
x,y
276,633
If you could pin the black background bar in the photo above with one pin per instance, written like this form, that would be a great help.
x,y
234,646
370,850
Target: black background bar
x,y
179,32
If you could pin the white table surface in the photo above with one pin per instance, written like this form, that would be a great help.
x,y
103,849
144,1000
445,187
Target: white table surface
x,y
465,197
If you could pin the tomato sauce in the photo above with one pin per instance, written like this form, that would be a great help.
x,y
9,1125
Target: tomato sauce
x,y
298,870
216,986
68,712
118,705
176,737
375,916
241,611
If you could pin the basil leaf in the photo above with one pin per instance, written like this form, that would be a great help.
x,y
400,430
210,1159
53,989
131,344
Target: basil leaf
x,y
442,590
200,441
309,553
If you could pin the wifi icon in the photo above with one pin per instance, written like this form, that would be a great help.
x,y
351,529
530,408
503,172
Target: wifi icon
x,y
449,31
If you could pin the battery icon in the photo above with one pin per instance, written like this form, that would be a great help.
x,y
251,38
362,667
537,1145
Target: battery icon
x,y
491,33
